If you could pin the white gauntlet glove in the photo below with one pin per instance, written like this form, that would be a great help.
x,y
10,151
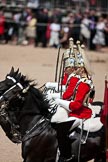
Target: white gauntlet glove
x,y
63,88
52,95
51,84
55,95
63,103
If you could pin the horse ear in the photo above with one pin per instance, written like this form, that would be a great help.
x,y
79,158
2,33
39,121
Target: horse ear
x,y
11,71
16,72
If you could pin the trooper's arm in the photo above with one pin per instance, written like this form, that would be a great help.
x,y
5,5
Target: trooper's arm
x,y
63,104
63,88
70,89
64,80
82,90
51,84
55,85
54,95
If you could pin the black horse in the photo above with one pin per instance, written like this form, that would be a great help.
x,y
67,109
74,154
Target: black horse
x,y
25,118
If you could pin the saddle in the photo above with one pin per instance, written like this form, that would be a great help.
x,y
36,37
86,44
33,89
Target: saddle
x,y
92,124
87,128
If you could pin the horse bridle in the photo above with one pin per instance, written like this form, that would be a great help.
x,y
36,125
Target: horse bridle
x,y
14,91
11,78
16,88
5,98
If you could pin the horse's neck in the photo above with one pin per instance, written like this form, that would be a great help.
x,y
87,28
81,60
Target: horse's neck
x,y
27,122
28,112
31,110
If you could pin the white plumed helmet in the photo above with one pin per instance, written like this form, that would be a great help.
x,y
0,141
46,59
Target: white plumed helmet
x,y
82,60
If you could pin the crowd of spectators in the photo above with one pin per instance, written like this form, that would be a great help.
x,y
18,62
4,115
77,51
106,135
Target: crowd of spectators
x,y
51,28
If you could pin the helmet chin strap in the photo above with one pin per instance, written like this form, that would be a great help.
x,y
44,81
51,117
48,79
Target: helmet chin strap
x,y
10,89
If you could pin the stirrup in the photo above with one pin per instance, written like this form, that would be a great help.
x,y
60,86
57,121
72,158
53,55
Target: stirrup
x,y
66,159
69,159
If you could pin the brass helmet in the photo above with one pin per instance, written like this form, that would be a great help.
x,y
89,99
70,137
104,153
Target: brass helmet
x,y
69,51
69,55
82,60
70,62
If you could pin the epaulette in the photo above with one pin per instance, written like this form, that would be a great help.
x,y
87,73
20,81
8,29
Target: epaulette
x,y
78,76
87,81
73,75
70,76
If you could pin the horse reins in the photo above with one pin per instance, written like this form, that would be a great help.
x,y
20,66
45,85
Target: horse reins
x,y
29,134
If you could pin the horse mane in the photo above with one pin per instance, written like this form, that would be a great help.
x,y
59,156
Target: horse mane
x,y
40,99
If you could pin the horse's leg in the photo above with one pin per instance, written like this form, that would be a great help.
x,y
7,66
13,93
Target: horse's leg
x,y
100,158
33,159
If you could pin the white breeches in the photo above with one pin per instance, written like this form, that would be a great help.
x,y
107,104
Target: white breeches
x,y
61,115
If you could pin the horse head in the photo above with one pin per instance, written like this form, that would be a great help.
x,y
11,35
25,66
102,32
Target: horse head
x,y
10,88
21,98
8,81
12,84
17,85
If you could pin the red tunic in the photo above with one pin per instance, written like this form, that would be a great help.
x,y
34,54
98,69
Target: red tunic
x,y
78,110
2,28
65,77
70,89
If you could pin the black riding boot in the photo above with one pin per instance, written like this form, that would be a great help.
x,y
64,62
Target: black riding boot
x,y
63,140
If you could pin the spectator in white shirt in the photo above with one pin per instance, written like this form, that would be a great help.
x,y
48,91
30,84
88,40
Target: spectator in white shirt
x,y
54,37
99,38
